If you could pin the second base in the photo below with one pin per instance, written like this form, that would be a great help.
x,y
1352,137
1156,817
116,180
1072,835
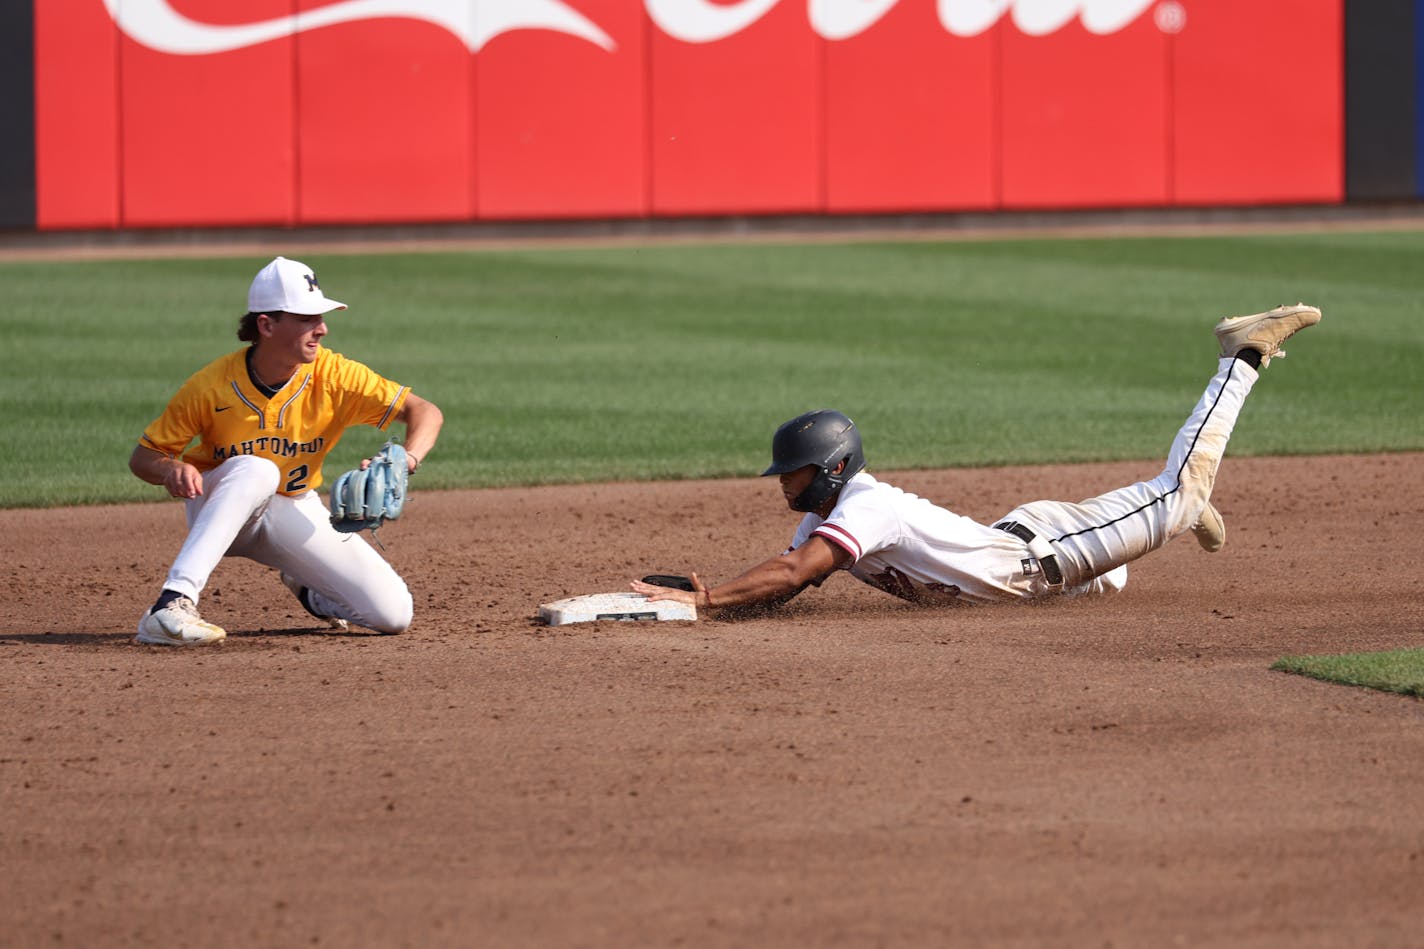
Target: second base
x,y
592,607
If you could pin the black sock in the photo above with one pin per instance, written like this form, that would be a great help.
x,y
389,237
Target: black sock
x,y
164,598
304,598
1250,357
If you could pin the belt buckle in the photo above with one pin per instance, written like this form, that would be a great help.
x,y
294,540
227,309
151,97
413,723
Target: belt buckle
x,y
1041,550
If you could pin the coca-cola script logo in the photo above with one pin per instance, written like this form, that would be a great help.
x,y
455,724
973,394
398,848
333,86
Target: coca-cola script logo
x,y
155,24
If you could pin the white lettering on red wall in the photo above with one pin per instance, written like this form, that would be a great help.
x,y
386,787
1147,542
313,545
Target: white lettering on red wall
x,y
177,113
157,25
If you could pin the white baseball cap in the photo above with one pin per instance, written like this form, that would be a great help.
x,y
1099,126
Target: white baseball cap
x,y
288,286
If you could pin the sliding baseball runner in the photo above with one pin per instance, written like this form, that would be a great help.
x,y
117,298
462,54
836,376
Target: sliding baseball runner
x,y
913,549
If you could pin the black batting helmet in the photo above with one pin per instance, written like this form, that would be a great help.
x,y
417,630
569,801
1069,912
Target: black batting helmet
x,y
823,438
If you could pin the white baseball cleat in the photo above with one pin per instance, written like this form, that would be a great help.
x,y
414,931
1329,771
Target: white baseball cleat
x,y
1264,332
299,591
178,624
1210,529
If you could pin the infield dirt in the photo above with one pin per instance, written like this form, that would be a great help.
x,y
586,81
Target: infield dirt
x,y
856,771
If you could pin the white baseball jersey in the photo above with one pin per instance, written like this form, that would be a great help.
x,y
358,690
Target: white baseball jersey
x,y
913,549
916,550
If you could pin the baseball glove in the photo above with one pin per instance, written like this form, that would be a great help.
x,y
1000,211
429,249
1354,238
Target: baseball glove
x,y
670,580
366,498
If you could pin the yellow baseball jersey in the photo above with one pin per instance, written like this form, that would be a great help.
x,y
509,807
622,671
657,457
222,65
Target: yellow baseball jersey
x,y
220,406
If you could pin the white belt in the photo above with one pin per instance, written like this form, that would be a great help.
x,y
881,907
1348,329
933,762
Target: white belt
x,y
1040,548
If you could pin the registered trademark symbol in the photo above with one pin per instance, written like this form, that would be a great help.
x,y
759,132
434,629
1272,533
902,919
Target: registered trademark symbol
x,y
1170,16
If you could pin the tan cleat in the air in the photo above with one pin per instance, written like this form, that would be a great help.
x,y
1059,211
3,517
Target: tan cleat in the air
x,y
1264,332
1210,529
178,624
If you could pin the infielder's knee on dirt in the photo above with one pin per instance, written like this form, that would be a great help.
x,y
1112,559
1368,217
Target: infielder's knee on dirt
x,y
388,610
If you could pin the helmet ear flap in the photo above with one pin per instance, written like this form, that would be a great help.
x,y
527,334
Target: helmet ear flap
x,y
821,489
826,439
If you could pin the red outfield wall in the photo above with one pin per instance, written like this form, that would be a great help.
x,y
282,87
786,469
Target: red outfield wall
x,y
155,113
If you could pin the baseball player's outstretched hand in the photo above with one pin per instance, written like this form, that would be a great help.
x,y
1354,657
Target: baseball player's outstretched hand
x,y
697,596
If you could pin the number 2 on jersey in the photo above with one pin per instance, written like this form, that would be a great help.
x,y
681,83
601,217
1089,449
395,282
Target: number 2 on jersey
x,y
297,479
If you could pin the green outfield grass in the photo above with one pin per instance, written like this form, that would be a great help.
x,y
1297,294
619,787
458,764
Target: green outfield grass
x,y
558,365
1399,670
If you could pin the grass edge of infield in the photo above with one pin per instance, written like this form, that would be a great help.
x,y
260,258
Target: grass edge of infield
x,y
1396,670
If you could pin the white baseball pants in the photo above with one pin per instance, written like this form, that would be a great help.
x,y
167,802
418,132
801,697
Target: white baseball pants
x,y
240,514
1100,535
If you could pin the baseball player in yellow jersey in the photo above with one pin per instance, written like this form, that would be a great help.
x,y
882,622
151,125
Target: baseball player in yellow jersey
x,y
916,550
264,419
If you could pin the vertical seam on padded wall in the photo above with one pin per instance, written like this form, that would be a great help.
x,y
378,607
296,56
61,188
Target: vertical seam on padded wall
x,y
645,25
1169,115
120,170
823,100
295,211
996,106
472,126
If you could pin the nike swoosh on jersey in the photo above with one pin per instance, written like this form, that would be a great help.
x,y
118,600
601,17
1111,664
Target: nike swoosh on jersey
x,y
222,408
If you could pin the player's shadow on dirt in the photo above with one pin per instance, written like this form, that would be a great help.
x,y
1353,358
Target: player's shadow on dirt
x,y
64,639
307,632
246,637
